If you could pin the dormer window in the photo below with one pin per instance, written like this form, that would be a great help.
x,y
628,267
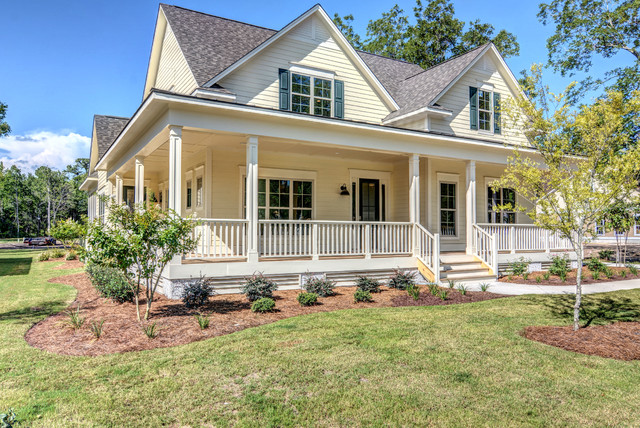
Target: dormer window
x,y
484,110
313,93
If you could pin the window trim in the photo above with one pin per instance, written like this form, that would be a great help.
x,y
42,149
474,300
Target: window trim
x,y
487,183
312,75
453,179
491,129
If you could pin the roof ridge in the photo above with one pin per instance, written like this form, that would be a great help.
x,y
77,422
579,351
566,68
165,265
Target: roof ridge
x,y
219,17
112,116
449,59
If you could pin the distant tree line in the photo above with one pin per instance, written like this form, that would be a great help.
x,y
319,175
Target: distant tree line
x,y
30,203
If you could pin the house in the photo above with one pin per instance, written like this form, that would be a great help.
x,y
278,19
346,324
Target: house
x,y
300,154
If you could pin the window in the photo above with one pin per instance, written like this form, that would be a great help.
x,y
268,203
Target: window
x,y
448,209
501,197
636,226
160,199
283,199
188,194
199,191
484,110
600,228
303,99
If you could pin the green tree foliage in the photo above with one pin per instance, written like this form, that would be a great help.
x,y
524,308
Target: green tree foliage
x,y
569,193
434,36
69,231
5,129
620,217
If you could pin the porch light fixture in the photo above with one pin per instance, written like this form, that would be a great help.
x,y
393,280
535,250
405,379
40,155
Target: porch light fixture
x,y
343,190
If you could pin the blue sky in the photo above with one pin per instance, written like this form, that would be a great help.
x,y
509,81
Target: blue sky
x,y
64,61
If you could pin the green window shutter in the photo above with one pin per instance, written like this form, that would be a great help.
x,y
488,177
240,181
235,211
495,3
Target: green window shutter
x,y
284,88
473,107
338,99
496,113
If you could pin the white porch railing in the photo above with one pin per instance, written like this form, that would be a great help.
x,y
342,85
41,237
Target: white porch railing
x,y
220,239
525,237
427,250
485,247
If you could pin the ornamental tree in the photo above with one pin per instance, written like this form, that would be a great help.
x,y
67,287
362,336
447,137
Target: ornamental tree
x,y
574,168
69,231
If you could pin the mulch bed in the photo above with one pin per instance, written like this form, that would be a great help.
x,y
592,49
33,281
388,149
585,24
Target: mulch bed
x,y
571,277
228,313
620,340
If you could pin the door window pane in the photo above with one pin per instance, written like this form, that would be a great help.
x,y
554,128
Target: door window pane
x,y
497,198
448,209
188,194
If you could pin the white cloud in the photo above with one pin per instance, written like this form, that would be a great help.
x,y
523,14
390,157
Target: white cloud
x,y
37,148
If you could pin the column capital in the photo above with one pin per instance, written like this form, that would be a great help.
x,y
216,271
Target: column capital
x,y
252,139
139,159
175,131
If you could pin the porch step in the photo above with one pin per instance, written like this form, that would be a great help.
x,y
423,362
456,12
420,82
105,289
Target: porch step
x,y
462,268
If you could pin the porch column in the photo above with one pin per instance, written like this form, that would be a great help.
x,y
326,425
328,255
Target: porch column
x,y
414,189
119,189
175,169
139,182
471,217
252,199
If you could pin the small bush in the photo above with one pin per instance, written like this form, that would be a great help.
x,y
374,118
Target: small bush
x,y
196,292
74,319
8,419
97,328
546,275
43,256
307,299
633,270
605,254
509,278
258,287
263,304
151,330
538,279
595,275
110,282
452,284
56,253
462,289
362,296
203,320
563,276
623,273
525,275
414,291
519,267
443,294
433,289
484,287
320,286
71,255
559,266
366,283
402,280
609,273
595,265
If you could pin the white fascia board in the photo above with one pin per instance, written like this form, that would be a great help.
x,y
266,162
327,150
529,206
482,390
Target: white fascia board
x,y
210,95
313,71
350,51
421,111
87,181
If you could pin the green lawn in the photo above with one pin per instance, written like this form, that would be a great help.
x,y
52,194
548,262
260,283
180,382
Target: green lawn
x,y
461,365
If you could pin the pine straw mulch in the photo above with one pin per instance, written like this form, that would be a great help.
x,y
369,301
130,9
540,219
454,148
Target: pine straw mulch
x,y
228,313
587,277
620,340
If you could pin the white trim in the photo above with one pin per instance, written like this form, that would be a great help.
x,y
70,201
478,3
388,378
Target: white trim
x,y
445,177
336,34
423,110
210,95
487,183
312,71
384,177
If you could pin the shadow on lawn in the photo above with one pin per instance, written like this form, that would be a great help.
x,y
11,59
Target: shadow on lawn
x,y
34,313
15,266
595,309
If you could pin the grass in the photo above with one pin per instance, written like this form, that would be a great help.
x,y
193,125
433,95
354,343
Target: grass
x,y
459,365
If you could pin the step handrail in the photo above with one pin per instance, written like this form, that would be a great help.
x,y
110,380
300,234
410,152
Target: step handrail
x,y
485,247
427,250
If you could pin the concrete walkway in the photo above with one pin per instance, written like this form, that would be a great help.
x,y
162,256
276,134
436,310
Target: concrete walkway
x,y
518,289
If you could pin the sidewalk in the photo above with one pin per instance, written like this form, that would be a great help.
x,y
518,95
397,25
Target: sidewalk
x,y
518,289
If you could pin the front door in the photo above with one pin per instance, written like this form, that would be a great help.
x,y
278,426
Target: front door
x,y
369,199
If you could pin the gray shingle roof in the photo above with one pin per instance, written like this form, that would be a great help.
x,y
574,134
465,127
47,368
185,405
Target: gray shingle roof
x,y
107,130
390,72
209,43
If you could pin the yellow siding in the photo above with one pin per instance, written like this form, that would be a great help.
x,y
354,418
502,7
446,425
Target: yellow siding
x,y
457,100
308,44
173,71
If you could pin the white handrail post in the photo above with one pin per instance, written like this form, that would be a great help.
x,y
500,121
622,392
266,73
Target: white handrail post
x,y
414,237
494,251
367,241
512,240
314,242
436,258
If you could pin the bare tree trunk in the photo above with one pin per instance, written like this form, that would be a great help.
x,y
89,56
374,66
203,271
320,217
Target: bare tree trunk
x,y
578,304
48,208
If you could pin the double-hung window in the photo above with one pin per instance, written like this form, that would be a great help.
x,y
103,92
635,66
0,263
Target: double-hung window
x,y
199,192
311,95
501,197
485,110
285,199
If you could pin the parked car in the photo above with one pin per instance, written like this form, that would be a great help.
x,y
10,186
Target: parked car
x,y
38,242
27,240
49,240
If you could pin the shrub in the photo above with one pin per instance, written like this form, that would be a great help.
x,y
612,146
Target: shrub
x,y
546,275
462,289
307,299
525,275
97,328
623,273
257,287
595,265
151,330
362,296
402,280
263,304
110,282
71,255
43,256
563,276
74,319
559,266
56,253
605,254
538,279
320,286
433,288
609,273
366,283
485,286
414,291
633,270
196,292
595,275
203,320
519,267
444,294
451,283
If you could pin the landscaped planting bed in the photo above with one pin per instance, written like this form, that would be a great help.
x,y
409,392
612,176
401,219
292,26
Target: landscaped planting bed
x,y
177,325
587,277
